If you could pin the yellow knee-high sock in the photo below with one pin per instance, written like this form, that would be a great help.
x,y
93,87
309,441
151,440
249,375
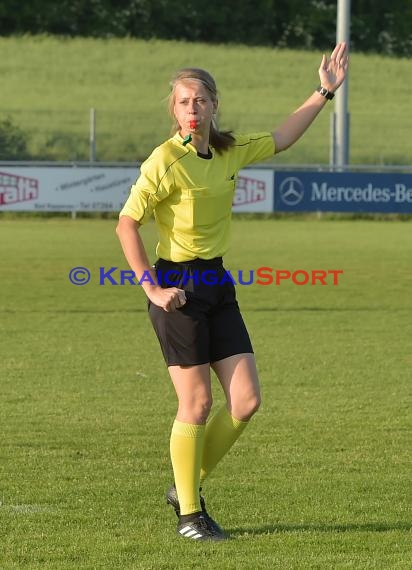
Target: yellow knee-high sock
x,y
222,430
186,449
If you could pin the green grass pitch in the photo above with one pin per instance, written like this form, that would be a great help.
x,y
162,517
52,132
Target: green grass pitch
x,y
320,480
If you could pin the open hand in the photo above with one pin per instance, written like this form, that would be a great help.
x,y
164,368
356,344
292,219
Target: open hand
x,y
332,71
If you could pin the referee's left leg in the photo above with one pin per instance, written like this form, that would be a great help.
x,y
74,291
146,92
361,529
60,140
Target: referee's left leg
x,y
239,379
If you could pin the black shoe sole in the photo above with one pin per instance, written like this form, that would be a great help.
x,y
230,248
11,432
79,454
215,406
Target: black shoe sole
x,y
174,502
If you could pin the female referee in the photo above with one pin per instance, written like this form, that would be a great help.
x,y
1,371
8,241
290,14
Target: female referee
x,y
188,184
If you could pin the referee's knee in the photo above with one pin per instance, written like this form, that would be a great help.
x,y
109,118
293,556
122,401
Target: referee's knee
x,y
245,409
254,405
197,411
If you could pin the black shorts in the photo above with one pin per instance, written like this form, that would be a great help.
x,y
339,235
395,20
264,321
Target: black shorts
x,y
209,327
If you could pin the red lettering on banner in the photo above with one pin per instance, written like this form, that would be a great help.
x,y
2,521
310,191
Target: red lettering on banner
x,y
335,273
266,273
319,274
15,189
249,191
282,274
300,272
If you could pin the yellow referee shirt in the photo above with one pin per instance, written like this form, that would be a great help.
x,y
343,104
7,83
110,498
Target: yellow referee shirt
x,y
190,196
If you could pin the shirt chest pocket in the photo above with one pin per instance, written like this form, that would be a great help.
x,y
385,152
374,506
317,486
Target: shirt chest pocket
x,y
209,206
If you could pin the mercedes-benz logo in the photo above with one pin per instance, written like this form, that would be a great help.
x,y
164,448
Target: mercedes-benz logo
x,y
291,191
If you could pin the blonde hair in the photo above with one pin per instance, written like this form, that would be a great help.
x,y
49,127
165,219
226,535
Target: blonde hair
x,y
219,140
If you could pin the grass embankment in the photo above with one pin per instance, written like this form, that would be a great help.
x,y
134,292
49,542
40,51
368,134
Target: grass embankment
x,y
50,84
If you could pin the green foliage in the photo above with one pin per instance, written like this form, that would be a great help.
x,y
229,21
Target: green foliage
x,y
13,141
381,26
377,25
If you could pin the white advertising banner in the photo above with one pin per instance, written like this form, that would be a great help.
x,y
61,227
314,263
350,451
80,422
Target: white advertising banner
x,y
254,191
64,189
104,189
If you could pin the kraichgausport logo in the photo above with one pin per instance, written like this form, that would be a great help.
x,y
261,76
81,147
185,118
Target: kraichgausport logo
x,y
261,276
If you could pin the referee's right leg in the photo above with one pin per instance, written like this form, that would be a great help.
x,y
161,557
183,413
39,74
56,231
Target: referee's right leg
x,y
194,393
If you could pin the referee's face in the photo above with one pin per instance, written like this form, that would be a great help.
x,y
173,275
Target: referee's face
x,y
193,107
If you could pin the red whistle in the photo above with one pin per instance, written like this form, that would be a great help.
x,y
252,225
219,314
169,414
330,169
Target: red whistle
x,y
192,124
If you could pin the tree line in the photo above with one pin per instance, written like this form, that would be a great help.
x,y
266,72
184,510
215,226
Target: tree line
x,y
379,26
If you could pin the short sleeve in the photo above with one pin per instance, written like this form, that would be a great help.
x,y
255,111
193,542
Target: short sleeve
x,y
154,184
254,147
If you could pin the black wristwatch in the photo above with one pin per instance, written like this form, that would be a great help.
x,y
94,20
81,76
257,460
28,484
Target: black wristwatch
x,y
327,94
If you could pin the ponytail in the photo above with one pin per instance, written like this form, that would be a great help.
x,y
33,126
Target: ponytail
x,y
220,140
